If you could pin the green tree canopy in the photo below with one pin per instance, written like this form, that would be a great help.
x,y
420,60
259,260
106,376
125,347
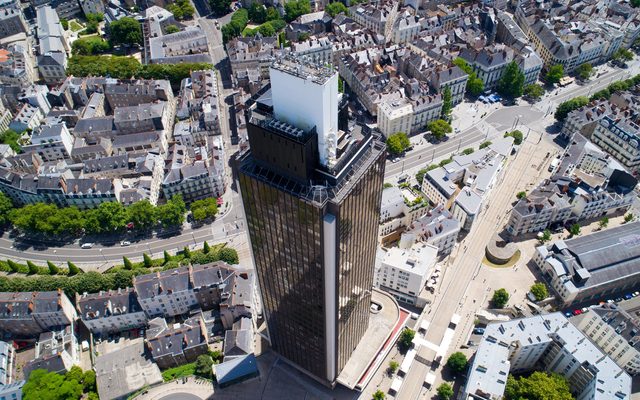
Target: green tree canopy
x,y
445,391
171,213
511,84
546,236
533,91
336,8
379,395
439,128
623,55
204,209
406,338
295,8
6,205
397,143
468,151
181,9
584,71
220,7
257,13
420,175
574,230
446,102
457,362
171,29
236,25
11,137
475,85
204,366
538,386
554,74
228,255
126,31
43,385
566,107
516,135
142,215
540,291
500,298
485,144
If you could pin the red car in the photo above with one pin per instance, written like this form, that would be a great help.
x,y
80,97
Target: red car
x,y
577,312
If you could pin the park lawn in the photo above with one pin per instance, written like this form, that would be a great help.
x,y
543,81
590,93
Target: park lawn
x,y
179,372
75,26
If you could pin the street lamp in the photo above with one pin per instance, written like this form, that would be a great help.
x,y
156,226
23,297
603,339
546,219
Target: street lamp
x,y
102,254
194,239
55,253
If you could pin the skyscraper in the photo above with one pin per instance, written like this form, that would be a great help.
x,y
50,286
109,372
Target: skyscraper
x,y
311,195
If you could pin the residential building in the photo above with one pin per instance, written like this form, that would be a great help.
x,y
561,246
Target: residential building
x,y
544,342
588,184
615,332
12,19
7,363
188,45
52,60
112,311
321,181
438,227
29,117
590,267
133,93
12,391
406,27
176,344
399,208
56,351
28,314
317,50
92,6
403,271
166,293
380,18
489,62
621,139
17,65
252,53
476,173
51,142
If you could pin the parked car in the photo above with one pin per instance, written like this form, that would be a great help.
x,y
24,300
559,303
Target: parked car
x,y
125,243
577,312
628,296
86,245
568,314
478,331
395,160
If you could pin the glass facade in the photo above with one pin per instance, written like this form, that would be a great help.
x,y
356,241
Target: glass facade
x,y
286,223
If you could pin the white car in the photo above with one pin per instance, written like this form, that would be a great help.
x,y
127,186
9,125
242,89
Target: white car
x,y
86,245
395,160
125,243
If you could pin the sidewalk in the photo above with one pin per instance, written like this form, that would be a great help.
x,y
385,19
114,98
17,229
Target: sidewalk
x,y
193,387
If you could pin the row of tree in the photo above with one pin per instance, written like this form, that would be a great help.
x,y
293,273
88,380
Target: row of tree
x,y
73,385
128,67
108,217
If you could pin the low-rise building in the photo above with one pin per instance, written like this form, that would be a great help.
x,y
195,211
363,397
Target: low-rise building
x,y
12,19
399,208
380,18
544,342
12,391
176,344
593,266
108,312
51,142
56,351
7,363
52,60
29,117
621,139
28,314
615,332
438,227
403,271
166,293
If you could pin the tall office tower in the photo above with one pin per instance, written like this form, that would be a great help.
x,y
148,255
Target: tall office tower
x,y
311,195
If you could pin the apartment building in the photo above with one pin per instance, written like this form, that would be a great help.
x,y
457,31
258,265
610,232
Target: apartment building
x,y
545,342
615,332
588,184
28,117
27,314
7,363
56,351
166,293
176,344
406,28
397,211
12,19
593,266
438,227
379,18
620,138
489,62
112,311
52,60
51,142
318,50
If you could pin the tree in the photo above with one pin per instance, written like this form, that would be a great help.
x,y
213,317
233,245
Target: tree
x,y
475,85
635,3
538,386
485,144
420,175
574,230
171,213
266,29
336,8
64,23
146,260
6,205
622,54
445,391
379,395
228,255
272,14
604,222
73,269
127,263
295,8
220,7
14,266
126,31
397,143
203,209
446,102
33,269
186,252
203,366
511,84
11,138
457,362
405,341
539,291
546,236
89,381
206,248
142,214
439,128
516,135
584,71
393,366
533,91
554,74
521,195
468,151
50,385
181,9
53,269
628,218
500,298
173,29
566,107
167,257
